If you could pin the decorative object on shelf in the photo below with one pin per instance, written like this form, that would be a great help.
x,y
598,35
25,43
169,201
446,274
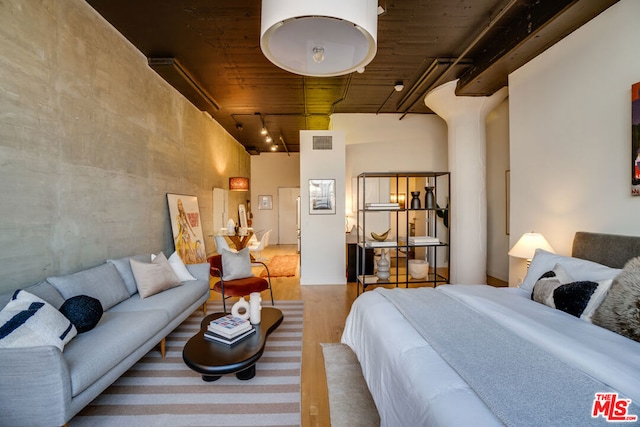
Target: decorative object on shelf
x,y
231,226
429,200
242,304
443,213
383,266
415,200
526,246
418,268
254,307
380,237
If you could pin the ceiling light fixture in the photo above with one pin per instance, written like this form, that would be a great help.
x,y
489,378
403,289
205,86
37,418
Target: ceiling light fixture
x,y
268,138
274,147
319,38
263,131
399,86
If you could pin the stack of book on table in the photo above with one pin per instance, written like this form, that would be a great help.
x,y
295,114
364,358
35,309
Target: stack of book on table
x,y
229,329
423,240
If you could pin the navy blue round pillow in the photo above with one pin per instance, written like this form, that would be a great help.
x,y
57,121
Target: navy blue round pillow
x,y
83,311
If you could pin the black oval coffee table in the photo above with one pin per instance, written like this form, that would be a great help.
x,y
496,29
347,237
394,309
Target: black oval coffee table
x,y
213,359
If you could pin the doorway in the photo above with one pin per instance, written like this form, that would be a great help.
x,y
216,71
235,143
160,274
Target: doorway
x,y
287,211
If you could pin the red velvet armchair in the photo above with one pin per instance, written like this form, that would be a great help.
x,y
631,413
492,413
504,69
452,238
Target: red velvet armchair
x,y
237,287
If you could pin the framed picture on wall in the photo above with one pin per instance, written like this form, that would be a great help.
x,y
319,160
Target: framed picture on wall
x,y
322,196
187,228
265,202
635,139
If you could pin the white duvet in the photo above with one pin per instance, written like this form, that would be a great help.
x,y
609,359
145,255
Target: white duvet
x,y
412,386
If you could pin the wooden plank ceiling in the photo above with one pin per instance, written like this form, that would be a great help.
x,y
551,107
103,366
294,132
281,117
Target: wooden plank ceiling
x,y
209,50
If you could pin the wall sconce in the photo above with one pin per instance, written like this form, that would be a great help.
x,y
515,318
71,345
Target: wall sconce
x,y
526,246
319,38
398,198
238,183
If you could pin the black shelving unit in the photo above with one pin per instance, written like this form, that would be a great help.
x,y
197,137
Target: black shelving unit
x,y
437,224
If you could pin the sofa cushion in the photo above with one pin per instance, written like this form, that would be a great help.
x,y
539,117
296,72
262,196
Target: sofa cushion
x,y
83,311
91,356
154,277
123,266
102,282
179,268
29,321
172,301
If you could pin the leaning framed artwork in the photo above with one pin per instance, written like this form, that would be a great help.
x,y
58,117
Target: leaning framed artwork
x,y
635,139
322,196
186,226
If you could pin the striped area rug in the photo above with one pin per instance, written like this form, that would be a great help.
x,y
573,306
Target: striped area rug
x,y
165,392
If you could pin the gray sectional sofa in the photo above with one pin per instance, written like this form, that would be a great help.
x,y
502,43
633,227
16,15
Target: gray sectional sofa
x,y
45,386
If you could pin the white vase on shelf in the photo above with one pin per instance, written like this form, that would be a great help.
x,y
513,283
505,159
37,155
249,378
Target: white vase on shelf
x,y
383,266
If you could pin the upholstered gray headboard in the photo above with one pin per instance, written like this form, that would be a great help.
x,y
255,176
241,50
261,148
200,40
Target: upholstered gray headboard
x,y
612,250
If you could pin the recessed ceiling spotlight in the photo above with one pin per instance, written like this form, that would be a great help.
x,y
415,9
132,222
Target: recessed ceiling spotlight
x,y
239,126
398,86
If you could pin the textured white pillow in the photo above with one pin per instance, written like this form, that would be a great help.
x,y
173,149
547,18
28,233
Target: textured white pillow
x,y
178,267
154,277
236,265
577,268
28,321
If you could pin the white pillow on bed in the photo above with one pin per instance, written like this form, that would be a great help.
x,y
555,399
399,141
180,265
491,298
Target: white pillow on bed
x,y
578,269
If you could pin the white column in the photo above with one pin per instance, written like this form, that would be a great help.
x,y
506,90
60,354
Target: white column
x,y
465,117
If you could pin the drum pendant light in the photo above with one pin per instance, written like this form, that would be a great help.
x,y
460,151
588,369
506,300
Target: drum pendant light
x,y
319,38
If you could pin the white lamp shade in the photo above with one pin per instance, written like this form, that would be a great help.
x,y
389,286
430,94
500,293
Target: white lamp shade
x,y
526,246
342,35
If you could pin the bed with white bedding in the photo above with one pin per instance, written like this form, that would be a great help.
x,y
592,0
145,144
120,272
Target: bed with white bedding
x,y
462,355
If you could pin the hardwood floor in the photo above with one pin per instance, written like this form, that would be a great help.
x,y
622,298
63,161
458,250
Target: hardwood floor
x,y
325,311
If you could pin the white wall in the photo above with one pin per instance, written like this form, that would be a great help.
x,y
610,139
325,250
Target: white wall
x,y
323,240
570,132
497,165
382,143
270,171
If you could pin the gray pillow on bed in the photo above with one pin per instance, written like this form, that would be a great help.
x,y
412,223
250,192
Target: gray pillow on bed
x,y
620,310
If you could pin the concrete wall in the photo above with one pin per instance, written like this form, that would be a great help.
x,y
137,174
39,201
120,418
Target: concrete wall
x,y
570,131
91,140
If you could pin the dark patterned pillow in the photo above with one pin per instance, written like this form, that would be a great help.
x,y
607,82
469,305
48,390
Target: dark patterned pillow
x,y
620,310
83,311
579,298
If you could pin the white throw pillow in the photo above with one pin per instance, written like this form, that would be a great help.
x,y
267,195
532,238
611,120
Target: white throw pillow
x,y
152,278
28,321
578,269
236,265
178,267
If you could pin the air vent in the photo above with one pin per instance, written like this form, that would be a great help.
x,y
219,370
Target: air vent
x,y
324,142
